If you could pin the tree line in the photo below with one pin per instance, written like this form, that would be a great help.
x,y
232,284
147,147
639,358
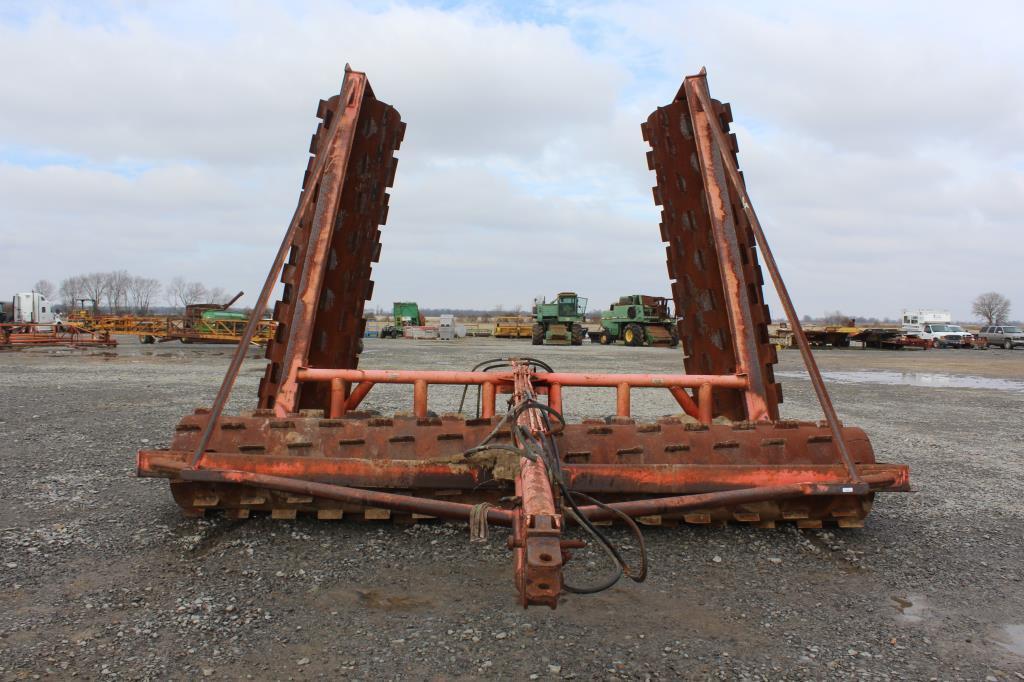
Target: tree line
x,y
119,292
990,307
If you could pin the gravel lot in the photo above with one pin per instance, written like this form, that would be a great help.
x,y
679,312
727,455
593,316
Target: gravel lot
x,y
100,576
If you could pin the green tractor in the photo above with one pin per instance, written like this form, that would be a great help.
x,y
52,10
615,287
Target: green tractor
x,y
639,320
406,313
560,322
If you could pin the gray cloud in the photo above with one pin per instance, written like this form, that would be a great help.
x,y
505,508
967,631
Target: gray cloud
x,y
474,87
878,144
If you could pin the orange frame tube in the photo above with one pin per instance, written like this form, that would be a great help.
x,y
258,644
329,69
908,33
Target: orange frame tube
x,y
390,376
705,404
622,400
344,398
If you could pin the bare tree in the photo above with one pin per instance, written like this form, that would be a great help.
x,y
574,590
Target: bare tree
x,y
994,308
71,291
45,287
117,290
182,293
174,290
195,292
217,295
837,318
94,286
141,292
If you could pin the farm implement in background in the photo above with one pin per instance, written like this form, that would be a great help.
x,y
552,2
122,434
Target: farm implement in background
x,y
201,323
559,322
405,314
513,327
309,448
52,334
638,320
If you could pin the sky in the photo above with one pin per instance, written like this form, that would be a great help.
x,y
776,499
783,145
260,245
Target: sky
x,y
880,142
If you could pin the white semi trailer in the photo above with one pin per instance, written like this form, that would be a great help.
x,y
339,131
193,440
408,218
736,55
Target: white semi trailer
x,y
32,308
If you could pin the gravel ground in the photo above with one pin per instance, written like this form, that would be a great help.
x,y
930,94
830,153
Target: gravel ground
x,y
101,577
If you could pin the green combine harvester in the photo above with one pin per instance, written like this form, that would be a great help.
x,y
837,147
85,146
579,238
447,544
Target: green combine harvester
x,y
639,320
406,314
559,323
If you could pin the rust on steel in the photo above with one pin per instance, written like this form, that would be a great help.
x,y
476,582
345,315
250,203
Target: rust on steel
x,y
328,449
537,529
550,383
459,511
698,88
30,334
671,456
390,376
326,274
290,246
597,477
713,267
727,457
544,569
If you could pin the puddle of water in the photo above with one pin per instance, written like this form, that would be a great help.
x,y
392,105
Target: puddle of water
x,y
911,608
1015,635
913,379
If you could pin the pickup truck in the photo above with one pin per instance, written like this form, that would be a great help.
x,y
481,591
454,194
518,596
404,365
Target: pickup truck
x,y
1006,335
944,335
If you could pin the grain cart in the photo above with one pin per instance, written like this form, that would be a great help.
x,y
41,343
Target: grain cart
x,y
309,448
559,323
639,320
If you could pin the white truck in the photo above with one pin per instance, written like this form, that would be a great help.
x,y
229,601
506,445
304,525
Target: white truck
x,y
935,326
32,308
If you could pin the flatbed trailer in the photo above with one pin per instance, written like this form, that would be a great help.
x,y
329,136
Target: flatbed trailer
x,y
31,335
153,329
817,336
889,339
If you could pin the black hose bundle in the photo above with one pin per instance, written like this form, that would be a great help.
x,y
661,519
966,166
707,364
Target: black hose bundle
x,y
545,448
498,363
